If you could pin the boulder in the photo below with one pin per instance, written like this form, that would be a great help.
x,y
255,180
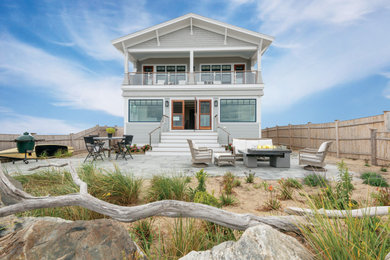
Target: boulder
x,y
6,200
259,242
55,238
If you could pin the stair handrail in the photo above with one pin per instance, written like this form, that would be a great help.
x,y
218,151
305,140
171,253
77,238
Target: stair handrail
x,y
222,128
162,121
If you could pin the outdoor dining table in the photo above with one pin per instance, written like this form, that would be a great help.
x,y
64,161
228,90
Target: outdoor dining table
x,y
109,141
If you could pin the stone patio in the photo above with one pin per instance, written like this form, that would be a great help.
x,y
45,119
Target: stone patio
x,y
146,166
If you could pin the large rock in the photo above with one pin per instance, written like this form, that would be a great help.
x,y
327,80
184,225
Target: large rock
x,y
259,242
55,238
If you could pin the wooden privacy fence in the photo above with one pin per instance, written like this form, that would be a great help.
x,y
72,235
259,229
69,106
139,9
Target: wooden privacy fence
x,y
75,140
362,138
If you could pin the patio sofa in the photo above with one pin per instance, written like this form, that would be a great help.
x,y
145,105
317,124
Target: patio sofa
x,y
242,144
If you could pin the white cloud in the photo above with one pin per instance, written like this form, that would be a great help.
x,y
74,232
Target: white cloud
x,y
24,66
333,46
13,123
91,26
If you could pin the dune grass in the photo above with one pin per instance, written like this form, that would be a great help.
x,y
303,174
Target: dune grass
x,y
111,186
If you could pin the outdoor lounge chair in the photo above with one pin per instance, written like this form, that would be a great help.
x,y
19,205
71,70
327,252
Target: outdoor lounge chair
x,y
314,159
94,148
200,155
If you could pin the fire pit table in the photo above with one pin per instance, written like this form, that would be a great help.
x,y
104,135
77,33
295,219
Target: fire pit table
x,y
279,158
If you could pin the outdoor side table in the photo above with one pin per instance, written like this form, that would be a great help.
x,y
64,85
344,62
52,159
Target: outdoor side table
x,y
279,158
109,139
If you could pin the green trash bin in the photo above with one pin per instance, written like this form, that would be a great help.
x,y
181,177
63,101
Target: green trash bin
x,y
25,143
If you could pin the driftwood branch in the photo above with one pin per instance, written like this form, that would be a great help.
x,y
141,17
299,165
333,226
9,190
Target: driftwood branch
x,y
48,165
356,213
166,208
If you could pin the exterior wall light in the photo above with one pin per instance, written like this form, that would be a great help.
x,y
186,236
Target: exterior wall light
x,y
215,103
166,103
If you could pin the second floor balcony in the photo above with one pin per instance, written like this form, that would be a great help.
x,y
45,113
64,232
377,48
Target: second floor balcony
x,y
193,78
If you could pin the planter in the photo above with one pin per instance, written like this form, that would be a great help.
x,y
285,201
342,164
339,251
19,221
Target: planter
x,y
109,135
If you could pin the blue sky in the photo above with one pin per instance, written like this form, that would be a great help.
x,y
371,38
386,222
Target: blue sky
x,y
59,72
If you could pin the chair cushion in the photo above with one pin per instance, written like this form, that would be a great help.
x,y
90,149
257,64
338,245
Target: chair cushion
x,y
239,144
194,144
217,155
323,147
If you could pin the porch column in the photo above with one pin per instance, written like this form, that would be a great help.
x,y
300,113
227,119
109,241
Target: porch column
x,y
191,76
259,61
126,67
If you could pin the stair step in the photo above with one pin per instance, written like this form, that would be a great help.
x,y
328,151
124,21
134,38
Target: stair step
x,y
189,133
183,149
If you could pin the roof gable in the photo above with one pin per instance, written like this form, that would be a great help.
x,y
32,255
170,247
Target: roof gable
x,y
192,21
183,38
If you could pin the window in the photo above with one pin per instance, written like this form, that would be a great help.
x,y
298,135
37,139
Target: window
x,y
238,110
145,110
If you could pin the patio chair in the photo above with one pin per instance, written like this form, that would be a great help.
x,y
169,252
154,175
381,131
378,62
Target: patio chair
x,y
123,148
93,148
200,155
314,159
100,143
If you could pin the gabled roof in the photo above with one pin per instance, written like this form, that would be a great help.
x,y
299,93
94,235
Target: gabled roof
x,y
192,20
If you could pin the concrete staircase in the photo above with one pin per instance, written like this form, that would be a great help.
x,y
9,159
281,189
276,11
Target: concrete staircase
x,y
175,142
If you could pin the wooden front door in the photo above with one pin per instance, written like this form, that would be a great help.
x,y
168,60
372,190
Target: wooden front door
x,y
205,114
177,114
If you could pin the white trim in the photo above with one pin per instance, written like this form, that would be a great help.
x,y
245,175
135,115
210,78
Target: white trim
x,y
192,16
258,110
191,26
200,49
158,38
139,98
225,42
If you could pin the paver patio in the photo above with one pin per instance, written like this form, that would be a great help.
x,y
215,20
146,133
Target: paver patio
x,y
146,166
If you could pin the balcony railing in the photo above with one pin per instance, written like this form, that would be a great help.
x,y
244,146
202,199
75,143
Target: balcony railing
x,y
194,78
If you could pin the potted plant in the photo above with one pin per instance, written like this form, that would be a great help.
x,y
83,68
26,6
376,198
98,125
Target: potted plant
x,y
110,131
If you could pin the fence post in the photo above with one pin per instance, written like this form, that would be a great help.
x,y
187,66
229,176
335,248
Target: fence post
x,y
71,140
373,146
308,135
386,115
336,125
290,134
277,135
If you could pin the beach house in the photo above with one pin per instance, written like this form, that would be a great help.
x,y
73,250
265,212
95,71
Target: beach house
x,y
192,77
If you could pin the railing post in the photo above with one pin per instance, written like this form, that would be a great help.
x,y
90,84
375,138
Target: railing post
x,y
277,135
336,125
373,146
150,139
290,135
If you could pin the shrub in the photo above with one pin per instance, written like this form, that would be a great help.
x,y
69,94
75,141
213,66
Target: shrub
x,y
383,169
228,182
168,188
293,183
344,185
201,176
315,180
374,179
250,176
227,199
236,183
381,197
206,198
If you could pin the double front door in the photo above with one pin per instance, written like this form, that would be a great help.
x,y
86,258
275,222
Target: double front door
x,y
190,114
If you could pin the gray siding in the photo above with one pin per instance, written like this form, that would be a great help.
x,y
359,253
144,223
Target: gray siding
x,y
197,61
140,131
199,38
239,130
